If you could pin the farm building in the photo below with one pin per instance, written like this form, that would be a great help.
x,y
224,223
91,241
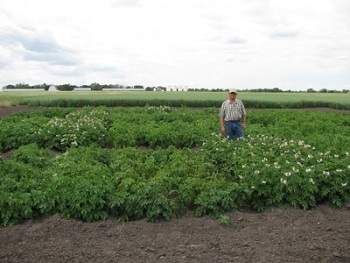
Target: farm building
x,y
53,88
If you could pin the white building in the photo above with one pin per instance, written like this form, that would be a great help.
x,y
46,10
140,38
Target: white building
x,y
53,88
82,89
120,89
22,90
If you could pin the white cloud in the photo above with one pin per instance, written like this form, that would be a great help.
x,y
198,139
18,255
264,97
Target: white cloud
x,y
201,43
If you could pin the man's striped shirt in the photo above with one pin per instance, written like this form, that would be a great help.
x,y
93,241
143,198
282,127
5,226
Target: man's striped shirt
x,y
232,111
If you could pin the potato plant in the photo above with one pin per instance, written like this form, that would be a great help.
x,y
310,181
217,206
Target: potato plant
x,y
159,162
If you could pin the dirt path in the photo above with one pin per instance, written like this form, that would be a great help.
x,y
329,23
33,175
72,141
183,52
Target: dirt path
x,y
278,235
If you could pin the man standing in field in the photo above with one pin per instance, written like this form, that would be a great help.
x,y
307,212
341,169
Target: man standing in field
x,y
233,116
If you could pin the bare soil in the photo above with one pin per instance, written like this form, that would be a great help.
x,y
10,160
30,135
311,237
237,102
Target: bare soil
x,y
5,111
278,235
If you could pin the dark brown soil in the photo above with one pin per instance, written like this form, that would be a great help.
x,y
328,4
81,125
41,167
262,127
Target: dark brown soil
x,y
278,235
4,111
6,155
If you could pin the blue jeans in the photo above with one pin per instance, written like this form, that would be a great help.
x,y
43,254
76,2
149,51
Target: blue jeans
x,y
233,130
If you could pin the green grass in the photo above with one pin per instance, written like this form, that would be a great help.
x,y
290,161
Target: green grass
x,y
15,98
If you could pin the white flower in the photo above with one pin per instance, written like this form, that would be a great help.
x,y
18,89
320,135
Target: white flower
x,y
288,174
257,172
311,181
346,153
326,173
348,166
308,170
344,184
263,182
283,181
296,170
309,156
339,170
336,155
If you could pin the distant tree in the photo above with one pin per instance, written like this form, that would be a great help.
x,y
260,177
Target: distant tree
x,y
41,86
138,87
22,86
66,87
9,87
95,86
161,88
310,90
149,89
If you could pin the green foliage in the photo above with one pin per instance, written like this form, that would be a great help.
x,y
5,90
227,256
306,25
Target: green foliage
x,y
162,161
18,130
224,220
31,154
179,103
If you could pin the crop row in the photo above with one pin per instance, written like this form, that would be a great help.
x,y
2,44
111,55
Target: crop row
x,y
153,127
92,183
71,102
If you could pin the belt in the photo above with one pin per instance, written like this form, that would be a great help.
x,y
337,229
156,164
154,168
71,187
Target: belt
x,y
233,121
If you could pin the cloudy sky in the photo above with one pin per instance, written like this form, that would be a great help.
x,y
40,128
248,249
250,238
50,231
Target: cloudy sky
x,y
290,44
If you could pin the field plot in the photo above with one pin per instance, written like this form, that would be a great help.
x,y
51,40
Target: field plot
x,y
159,162
7,98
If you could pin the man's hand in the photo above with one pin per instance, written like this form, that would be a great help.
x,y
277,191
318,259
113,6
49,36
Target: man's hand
x,y
244,125
223,131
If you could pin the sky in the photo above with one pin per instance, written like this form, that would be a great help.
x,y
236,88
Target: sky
x,y
242,44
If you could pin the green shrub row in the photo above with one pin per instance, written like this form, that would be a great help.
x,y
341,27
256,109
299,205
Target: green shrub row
x,y
178,103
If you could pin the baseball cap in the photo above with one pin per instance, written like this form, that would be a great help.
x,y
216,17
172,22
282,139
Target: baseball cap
x,y
232,91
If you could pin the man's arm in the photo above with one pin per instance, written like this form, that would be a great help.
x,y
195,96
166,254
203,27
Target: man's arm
x,y
244,120
244,116
222,119
222,125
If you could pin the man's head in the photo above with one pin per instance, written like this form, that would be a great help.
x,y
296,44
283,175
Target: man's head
x,y
232,93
